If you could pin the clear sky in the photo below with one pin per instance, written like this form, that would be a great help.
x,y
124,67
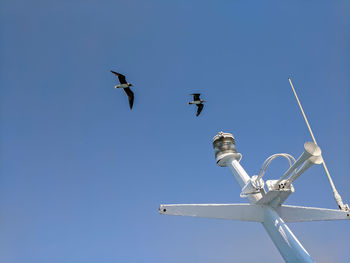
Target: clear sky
x,y
82,175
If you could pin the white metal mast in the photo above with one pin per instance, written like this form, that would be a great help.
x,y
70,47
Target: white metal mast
x,y
265,202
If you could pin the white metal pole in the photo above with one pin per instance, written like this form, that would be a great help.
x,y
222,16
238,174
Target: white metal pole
x,y
287,244
241,177
285,241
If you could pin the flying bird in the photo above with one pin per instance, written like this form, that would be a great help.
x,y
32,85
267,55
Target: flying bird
x,y
198,102
125,85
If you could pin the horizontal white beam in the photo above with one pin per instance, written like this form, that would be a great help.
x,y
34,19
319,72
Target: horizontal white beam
x,y
243,212
253,213
303,214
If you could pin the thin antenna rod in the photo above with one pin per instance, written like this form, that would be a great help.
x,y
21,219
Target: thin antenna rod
x,y
337,196
302,111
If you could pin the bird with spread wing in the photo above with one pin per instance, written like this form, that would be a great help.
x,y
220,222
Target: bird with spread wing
x,y
126,86
198,102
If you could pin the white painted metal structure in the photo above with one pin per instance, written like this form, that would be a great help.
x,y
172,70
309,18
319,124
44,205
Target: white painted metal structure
x,y
265,202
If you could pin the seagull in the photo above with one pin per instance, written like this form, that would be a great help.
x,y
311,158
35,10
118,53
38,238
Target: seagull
x,y
125,85
197,101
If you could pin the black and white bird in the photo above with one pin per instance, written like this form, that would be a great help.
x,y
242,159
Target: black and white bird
x,y
198,102
126,86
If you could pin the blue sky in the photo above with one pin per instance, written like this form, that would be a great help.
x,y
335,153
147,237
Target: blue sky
x,y
81,176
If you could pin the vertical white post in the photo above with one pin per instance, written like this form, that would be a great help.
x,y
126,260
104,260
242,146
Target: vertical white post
x,y
287,244
238,172
241,177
